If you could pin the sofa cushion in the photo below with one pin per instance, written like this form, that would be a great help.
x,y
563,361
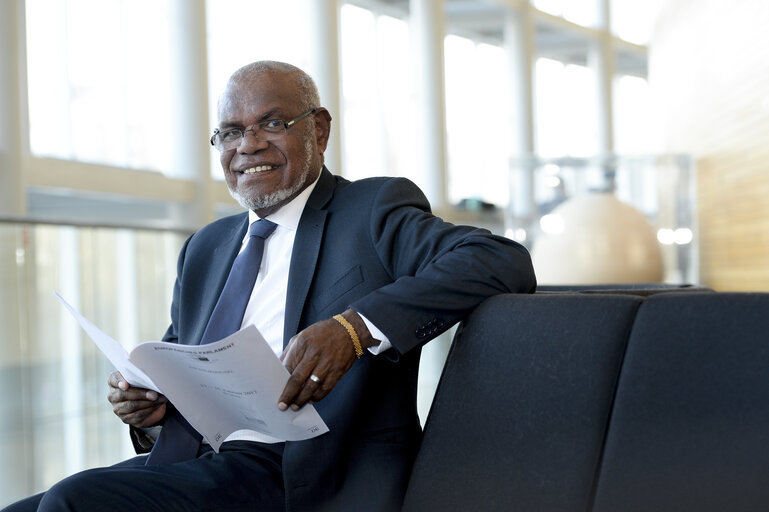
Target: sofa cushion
x,y
690,426
520,414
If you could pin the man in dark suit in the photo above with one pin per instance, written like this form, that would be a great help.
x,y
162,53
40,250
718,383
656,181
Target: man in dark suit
x,y
369,251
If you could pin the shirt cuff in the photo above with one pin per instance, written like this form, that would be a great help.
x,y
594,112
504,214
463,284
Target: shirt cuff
x,y
378,335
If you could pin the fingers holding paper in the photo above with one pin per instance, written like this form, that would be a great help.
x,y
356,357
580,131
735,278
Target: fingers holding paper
x,y
135,406
317,358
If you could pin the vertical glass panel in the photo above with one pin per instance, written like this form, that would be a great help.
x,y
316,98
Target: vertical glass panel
x,y
634,21
477,120
364,149
633,116
13,244
582,12
378,129
565,109
98,73
57,421
245,31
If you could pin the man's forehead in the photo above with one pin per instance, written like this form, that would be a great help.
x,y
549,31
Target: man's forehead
x,y
264,96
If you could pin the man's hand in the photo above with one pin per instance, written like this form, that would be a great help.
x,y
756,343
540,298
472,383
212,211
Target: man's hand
x,y
324,350
135,406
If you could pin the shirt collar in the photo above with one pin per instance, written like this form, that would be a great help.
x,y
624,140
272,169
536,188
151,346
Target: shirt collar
x,y
289,214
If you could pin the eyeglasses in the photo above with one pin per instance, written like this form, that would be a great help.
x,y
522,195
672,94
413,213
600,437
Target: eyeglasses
x,y
266,131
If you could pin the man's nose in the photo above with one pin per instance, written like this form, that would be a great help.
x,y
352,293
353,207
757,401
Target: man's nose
x,y
251,143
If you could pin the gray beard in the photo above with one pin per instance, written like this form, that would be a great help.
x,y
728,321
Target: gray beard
x,y
272,199
275,198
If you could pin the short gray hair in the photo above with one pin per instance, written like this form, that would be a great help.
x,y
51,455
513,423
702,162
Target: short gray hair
x,y
308,91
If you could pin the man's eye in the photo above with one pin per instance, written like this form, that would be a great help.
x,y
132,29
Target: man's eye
x,y
273,125
230,135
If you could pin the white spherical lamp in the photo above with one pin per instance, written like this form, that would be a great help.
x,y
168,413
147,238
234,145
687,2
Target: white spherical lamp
x,y
596,239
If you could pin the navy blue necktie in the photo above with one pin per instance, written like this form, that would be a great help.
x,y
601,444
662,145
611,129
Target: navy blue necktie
x,y
178,441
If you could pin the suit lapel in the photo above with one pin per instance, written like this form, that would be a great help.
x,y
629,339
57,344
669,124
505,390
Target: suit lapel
x,y
304,258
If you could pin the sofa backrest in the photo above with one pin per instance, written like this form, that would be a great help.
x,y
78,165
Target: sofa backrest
x,y
602,402
690,424
520,414
642,289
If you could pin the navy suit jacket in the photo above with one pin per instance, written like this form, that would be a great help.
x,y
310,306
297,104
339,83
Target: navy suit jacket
x,y
372,245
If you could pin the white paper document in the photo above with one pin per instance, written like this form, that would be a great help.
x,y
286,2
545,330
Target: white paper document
x,y
219,387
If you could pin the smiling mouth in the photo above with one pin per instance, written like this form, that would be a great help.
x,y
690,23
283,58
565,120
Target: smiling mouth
x,y
258,169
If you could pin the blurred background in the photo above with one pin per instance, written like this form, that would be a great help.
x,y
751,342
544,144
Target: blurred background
x,y
620,141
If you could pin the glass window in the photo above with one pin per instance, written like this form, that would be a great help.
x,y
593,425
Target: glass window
x,y
633,116
98,86
582,12
565,109
634,21
379,128
477,120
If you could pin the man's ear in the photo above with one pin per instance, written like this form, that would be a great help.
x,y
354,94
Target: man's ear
x,y
322,128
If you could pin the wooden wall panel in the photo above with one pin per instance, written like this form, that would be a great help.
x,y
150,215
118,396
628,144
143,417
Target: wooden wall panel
x,y
709,73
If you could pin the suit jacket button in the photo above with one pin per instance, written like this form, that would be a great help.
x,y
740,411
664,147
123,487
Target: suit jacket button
x,y
421,333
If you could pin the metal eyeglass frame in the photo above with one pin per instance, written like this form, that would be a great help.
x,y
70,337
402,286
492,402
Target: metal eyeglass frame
x,y
283,127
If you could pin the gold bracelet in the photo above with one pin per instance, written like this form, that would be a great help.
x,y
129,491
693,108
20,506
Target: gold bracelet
x,y
353,335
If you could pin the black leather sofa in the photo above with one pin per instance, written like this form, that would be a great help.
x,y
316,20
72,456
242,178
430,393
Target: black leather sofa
x,y
602,400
